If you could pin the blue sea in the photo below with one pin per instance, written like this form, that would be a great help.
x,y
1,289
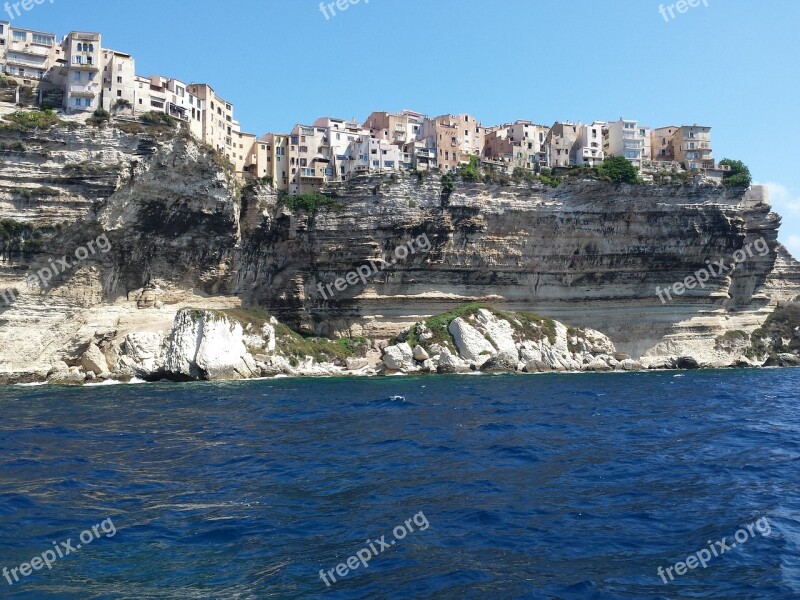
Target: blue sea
x,y
546,486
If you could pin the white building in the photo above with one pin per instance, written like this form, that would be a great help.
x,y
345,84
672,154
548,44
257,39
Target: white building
x,y
29,54
588,147
626,138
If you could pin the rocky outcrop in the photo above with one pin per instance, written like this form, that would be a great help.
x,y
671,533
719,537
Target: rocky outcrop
x,y
480,339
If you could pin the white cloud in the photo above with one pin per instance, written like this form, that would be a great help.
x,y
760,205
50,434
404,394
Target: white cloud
x,y
787,205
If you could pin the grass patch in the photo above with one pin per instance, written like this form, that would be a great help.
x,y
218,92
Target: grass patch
x,y
257,317
159,119
87,169
295,347
311,203
31,193
16,236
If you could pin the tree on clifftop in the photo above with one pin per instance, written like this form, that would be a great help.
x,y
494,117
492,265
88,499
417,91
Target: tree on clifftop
x,y
619,170
738,176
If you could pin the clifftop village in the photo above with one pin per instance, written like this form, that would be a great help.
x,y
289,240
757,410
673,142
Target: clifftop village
x,y
81,76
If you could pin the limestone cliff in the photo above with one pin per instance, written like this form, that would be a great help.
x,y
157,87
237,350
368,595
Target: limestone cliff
x,y
182,234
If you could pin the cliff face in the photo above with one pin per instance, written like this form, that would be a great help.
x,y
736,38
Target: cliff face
x,y
182,234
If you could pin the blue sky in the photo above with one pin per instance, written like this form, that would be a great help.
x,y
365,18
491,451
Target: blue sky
x,y
731,64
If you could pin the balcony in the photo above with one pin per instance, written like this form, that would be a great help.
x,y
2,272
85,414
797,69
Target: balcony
x,y
84,91
25,62
84,66
33,50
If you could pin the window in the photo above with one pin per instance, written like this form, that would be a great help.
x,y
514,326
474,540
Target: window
x,y
44,40
19,36
76,75
119,93
119,79
389,163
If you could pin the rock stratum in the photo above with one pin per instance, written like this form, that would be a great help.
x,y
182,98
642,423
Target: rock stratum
x,y
199,277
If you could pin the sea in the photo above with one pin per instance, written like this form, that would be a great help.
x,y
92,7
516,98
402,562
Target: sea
x,y
656,485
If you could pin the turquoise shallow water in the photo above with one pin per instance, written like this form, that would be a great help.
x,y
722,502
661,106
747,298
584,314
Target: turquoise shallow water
x,y
554,486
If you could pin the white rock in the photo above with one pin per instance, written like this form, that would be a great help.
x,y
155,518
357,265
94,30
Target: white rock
x,y
470,342
94,361
420,354
207,345
356,364
500,332
399,357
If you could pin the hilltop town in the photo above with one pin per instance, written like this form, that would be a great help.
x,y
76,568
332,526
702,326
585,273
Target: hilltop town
x,y
80,76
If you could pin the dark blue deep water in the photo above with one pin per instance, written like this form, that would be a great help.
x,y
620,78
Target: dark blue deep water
x,y
553,486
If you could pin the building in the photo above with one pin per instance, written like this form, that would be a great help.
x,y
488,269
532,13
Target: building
x,y
272,153
626,138
216,118
80,71
661,144
559,144
692,145
119,82
244,146
396,128
444,135
5,29
520,145
588,147
29,54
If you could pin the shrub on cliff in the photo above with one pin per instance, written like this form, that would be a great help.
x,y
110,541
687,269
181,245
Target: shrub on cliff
x,y
780,332
619,170
471,171
99,117
158,118
35,119
738,176
311,203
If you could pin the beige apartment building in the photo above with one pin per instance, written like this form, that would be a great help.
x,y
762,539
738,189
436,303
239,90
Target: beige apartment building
x,y
396,128
559,143
692,145
216,119
80,71
456,137
272,159
661,143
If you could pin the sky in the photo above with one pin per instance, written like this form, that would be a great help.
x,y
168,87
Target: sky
x,y
729,64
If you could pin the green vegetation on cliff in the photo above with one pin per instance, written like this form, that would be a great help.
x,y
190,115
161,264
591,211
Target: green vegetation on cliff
x,y
618,169
738,176
780,333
